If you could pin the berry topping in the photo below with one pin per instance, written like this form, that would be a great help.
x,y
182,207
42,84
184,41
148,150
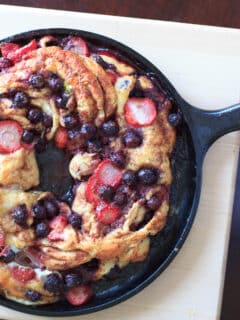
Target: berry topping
x,y
55,83
79,295
47,120
57,224
7,254
39,211
76,45
132,139
89,130
94,146
118,158
73,279
75,221
53,283
15,54
20,100
37,81
113,76
61,101
27,136
51,207
34,115
140,111
108,174
7,48
61,138
70,120
42,230
22,274
148,176
106,192
10,136
2,236
153,203
120,199
130,178
5,63
110,129
92,190
174,119
107,214
20,215
32,295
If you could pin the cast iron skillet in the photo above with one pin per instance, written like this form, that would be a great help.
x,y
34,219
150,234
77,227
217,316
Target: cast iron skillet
x,y
199,129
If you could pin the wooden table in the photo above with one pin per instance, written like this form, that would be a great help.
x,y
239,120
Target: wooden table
x,y
212,12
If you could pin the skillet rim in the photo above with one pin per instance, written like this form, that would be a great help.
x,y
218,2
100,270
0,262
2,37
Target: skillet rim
x,y
184,106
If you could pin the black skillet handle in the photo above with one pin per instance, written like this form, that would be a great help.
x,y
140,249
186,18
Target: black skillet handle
x,y
207,126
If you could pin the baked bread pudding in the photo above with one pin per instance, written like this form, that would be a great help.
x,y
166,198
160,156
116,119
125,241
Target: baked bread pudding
x,y
113,129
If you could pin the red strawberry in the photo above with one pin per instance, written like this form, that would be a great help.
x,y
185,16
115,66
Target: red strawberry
x,y
7,48
107,213
57,224
2,236
108,54
77,45
79,295
61,138
22,274
108,174
140,111
10,136
112,75
17,55
92,190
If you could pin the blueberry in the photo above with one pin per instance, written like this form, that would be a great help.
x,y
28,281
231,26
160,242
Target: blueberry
x,y
174,119
75,221
130,178
39,211
73,280
132,139
118,158
7,255
51,208
20,100
53,283
27,136
42,230
20,215
120,199
106,192
5,63
33,295
110,129
61,101
70,120
148,176
153,203
34,115
47,120
37,81
55,83
89,130
68,196
94,146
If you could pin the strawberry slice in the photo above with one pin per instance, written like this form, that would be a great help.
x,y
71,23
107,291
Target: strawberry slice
x,y
22,274
61,138
92,194
77,45
2,236
79,295
8,48
10,136
57,224
108,174
107,213
140,111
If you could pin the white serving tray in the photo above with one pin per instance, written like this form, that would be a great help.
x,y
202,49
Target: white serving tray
x,y
203,63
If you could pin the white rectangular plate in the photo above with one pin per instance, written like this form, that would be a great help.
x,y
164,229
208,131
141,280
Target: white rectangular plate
x,y
203,63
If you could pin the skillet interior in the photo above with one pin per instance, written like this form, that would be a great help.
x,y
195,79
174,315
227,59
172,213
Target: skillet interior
x,y
183,200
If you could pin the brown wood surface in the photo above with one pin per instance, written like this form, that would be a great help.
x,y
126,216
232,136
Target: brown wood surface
x,y
224,13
